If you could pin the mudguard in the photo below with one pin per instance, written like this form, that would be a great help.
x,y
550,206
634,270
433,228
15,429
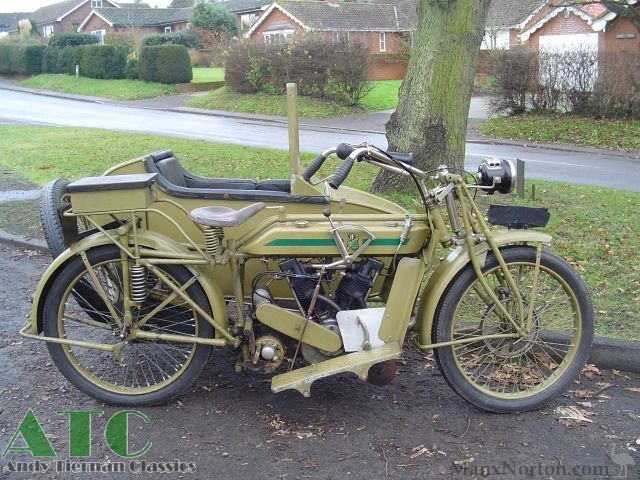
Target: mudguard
x,y
146,238
452,265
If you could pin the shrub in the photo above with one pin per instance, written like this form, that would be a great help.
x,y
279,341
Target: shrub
x,y
185,38
123,40
62,40
22,59
51,60
103,61
165,64
132,72
215,18
67,59
578,81
338,73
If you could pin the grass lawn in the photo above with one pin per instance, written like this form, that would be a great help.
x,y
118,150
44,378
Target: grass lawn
x,y
202,75
113,89
594,228
226,99
568,130
383,95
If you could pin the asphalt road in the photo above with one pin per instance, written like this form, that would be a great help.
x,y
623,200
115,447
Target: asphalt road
x,y
232,427
584,167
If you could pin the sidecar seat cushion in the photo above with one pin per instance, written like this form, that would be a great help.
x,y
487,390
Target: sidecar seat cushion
x,y
224,216
171,169
275,185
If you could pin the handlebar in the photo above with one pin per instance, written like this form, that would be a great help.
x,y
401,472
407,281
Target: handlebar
x,y
316,164
341,172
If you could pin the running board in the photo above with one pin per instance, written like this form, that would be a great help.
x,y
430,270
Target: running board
x,y
357,362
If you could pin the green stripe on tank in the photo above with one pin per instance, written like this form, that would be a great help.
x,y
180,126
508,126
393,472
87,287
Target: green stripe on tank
x,y
328,242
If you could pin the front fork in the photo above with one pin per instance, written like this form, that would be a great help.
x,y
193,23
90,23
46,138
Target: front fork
x,y
474,227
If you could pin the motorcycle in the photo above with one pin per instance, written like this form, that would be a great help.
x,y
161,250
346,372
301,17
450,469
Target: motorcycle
x,y
155,267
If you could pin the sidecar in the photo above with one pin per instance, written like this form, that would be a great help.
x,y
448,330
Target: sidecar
x,y
177,191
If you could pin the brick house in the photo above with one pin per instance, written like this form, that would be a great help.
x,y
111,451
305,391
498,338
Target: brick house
x,y
139,21
384,29
556,25
65,17
247,12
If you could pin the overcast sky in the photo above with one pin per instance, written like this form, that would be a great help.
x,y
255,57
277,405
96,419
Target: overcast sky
x,y
31,5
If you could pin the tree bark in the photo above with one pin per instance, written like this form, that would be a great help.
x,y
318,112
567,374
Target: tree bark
x,y
433,104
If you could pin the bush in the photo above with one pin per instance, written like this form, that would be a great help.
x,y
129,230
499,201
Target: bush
x,y
67,59
338,73
215,18
165,64
22,59
62,40
132,72
185,38
123,40
578,81
51,60
103,61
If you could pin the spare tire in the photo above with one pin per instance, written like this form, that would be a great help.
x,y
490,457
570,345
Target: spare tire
x,y
50,206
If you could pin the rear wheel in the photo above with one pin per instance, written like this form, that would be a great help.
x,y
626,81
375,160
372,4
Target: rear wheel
x,y
148,372
515,374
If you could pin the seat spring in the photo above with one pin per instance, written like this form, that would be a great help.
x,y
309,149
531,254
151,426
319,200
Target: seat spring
x,y
213,240
139,285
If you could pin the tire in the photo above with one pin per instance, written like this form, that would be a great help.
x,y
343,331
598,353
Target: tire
x,y
152,371
50,205
515,374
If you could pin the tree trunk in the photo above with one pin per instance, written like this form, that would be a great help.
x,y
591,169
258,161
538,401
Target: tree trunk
x,y
433,103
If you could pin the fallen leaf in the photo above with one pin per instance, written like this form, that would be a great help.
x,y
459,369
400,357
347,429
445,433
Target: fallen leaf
x,y
632,389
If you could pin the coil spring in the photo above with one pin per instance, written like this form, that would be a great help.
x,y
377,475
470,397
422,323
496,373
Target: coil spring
x,y
139,285
213,240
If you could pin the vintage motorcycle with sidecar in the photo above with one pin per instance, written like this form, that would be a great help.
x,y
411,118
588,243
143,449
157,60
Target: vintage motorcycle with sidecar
x,y
155,267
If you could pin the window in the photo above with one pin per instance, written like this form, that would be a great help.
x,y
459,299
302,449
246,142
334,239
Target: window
x,y
47,30
167,29
96,3
278,36
383,42
100,34
75,26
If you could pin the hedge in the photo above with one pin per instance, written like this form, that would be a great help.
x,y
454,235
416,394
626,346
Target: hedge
x,y
22,59
185,38
62,40
103,61
168,64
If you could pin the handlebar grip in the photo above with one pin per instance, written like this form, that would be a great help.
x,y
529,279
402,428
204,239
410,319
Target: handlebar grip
x,y
313,167
341,173
343,150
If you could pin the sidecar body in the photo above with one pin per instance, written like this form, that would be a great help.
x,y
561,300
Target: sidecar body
x,y
293,224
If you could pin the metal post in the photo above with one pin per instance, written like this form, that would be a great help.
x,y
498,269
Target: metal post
x,y
294,133
533,191
520,180
77,71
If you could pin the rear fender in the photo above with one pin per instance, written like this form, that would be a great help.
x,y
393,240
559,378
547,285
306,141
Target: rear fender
x,y
452,265
146,238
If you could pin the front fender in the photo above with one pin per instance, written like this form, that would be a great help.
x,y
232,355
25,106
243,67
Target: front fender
x,y
452,265
146,238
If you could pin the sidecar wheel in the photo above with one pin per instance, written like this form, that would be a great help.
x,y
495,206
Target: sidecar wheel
x,y
514,374
149,372
50,205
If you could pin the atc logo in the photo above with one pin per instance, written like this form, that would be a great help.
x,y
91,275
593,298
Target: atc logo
x,y
116,435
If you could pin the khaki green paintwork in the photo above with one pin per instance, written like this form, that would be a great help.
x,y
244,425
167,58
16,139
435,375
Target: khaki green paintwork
x,y
292,325
151,240
397,312
357,362
452,265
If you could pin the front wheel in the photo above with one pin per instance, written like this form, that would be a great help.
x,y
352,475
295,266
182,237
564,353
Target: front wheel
x,y
514,374
145,372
